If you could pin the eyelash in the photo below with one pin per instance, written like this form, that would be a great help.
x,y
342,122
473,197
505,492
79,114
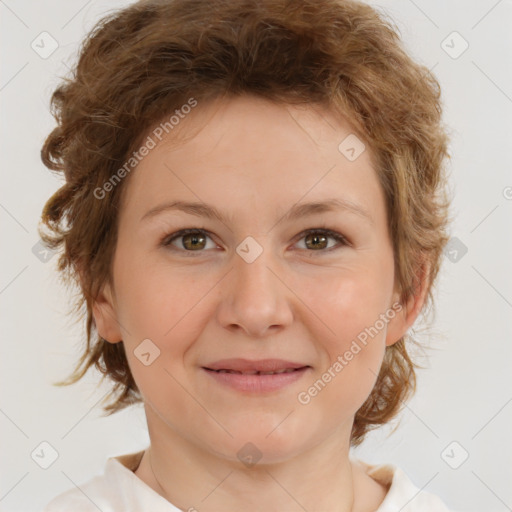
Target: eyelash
x,y
167,240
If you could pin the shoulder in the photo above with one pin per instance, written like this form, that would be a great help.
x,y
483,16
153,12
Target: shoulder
x,y
71,500
402,493
118,489
87,497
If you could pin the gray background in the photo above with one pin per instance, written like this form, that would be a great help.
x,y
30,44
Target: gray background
x,y
463,404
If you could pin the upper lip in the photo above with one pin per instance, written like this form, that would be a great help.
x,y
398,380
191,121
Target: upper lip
x,y
247,365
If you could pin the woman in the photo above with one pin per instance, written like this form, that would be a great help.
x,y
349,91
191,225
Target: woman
x,y
254,212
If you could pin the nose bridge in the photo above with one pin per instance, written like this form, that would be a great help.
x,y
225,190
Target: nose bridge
x,y
254,278
255,299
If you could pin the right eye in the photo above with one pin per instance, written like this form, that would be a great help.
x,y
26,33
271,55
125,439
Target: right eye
x,y
193,240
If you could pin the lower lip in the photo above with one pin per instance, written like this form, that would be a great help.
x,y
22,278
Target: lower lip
x,y
257,383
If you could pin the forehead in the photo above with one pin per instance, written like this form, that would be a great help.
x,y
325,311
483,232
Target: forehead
x,y
253,121
247,151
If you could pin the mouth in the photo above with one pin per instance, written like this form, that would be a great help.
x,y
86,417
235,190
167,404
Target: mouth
x,y
256,377
252,367
255,372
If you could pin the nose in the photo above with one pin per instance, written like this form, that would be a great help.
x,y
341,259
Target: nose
x,y
255,298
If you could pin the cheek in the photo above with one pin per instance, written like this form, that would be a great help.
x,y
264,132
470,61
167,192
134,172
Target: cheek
x,y
167,310
348,301
351,333
155,297
165,306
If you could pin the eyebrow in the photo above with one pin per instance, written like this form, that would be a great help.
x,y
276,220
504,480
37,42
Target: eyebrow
x,y
296,212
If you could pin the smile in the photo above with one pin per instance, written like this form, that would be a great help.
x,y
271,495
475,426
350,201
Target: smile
x,y
286,370
256,382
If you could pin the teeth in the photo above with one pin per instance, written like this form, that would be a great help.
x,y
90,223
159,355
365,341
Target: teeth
x,y
287,370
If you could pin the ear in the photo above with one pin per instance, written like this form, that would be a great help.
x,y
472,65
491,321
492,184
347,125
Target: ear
x,y
104,311
407,314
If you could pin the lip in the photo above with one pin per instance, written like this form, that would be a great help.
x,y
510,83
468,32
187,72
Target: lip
x,y
255,383
248,365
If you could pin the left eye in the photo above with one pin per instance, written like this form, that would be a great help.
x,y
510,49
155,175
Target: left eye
x,y
318,239
194,240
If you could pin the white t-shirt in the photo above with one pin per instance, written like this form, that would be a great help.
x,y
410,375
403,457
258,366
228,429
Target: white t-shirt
x,y
120,490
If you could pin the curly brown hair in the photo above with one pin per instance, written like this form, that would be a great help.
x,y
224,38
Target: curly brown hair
x,y
140,63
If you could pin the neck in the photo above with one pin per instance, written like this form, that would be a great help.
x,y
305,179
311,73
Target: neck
x,y
192,477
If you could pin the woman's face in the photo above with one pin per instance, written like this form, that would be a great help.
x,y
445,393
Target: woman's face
x,y
256,280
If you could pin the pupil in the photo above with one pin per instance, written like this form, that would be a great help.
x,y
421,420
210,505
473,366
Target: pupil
x,y
316,239
194,240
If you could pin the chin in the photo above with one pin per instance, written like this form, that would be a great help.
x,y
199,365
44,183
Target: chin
x,y
260,443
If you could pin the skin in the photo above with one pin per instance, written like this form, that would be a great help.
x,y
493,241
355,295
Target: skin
x,y
253,160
